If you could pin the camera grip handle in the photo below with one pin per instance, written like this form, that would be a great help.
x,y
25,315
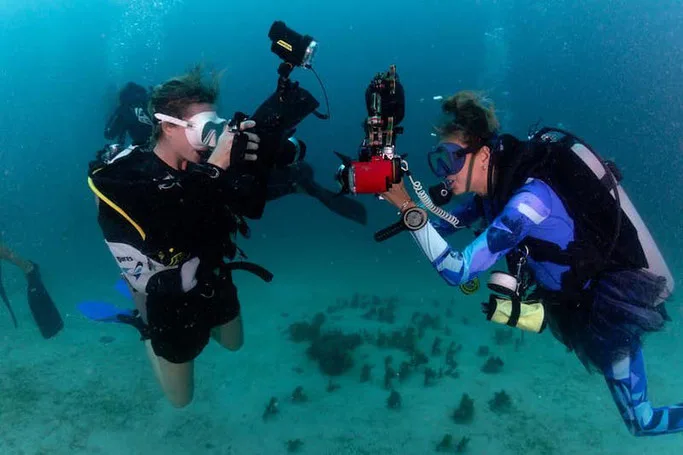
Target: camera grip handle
x,y
390,231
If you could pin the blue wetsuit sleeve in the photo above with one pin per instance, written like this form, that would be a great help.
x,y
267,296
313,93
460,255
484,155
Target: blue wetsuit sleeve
x,y
522,213
468,212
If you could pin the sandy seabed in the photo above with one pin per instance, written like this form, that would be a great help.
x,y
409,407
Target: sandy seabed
x,y
90,390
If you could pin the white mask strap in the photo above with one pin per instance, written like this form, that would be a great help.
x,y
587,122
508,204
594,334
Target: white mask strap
x,y
173,120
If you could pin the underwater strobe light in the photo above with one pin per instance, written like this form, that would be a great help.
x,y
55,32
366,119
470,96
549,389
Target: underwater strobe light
x,y
292,47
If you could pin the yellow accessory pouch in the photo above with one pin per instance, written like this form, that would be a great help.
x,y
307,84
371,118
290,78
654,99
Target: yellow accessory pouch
x,y
528,315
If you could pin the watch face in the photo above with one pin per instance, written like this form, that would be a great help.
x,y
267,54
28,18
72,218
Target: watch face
x,y
415,218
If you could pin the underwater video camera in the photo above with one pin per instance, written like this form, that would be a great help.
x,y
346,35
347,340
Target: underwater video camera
x,y
277,117
377,166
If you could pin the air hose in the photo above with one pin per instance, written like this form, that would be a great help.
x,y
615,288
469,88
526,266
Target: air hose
x,y
427,201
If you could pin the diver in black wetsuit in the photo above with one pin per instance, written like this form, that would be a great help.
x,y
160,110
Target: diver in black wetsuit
x,y
130,117
170,211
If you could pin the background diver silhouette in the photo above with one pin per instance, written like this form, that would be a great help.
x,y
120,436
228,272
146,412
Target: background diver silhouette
x,y
130,116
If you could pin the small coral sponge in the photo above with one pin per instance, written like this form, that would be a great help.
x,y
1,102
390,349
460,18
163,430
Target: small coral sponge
x,y
465,411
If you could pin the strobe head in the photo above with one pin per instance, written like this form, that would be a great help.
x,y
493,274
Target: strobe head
x,y
292,47
344,178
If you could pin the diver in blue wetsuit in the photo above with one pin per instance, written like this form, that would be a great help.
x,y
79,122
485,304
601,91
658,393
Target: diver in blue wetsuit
x,y
549,205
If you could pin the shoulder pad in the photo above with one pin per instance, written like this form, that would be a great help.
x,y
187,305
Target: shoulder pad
x,y
114,154
123,153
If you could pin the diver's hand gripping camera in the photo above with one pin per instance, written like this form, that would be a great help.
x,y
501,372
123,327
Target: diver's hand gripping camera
x,y
377,166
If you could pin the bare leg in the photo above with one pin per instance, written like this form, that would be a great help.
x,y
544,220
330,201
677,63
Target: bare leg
x,y
176,379
11,256
230,335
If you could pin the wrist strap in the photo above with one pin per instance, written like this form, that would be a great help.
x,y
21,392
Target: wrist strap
x,y
208,169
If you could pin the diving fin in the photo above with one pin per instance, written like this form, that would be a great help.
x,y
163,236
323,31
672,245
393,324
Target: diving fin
x,y
45,313
344,206
122,288
346,160
3,296
103,312
106,312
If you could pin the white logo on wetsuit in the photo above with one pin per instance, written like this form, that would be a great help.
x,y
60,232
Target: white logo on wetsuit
x,y
138,276
143,117
169,182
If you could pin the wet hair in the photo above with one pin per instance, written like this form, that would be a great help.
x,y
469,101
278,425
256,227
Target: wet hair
x,y
176,95
470,117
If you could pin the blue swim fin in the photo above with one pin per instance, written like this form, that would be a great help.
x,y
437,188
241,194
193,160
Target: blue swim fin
x,y
107,312
122,287
104,312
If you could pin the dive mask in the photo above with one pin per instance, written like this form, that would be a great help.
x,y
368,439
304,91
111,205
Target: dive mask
x,y
202,130
447,158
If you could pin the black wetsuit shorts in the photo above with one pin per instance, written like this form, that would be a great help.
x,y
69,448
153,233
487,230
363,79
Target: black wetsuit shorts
x,y
180,328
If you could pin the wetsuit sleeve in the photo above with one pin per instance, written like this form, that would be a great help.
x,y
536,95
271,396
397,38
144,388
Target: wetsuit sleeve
x,y
242,191
468,212
282,182
524,211
245,193
116,128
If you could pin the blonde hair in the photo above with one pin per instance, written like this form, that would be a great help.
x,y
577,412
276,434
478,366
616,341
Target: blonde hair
x,y
174,96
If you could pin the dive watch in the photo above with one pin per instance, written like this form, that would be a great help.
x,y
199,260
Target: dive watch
x,y
415,218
